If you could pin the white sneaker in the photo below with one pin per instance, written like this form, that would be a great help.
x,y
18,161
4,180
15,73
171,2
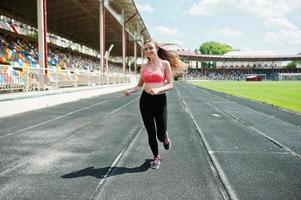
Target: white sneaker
x,y
155,163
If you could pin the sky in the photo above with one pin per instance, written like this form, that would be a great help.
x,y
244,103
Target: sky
x,y
272,26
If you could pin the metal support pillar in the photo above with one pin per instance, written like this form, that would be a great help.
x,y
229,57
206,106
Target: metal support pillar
x,y
42,38
101,34
123,43
135,56
42,33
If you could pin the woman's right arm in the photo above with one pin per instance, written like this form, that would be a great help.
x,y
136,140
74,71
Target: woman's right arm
x,y
137,87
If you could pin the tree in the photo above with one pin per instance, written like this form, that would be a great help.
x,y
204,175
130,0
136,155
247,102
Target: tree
x,y
33,35
292,65
214,48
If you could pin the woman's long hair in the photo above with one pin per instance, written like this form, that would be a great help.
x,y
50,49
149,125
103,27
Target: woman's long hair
x,y
177,65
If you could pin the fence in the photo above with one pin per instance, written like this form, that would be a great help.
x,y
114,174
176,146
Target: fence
x,y
35,79
289,76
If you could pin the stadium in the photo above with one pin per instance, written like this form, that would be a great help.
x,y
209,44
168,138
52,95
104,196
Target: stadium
x,y
67,132
73,60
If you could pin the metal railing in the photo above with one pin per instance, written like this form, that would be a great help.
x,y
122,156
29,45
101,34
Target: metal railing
x,y
35,79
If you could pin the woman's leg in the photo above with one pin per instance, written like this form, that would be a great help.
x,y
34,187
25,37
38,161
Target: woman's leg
x,y
161,122
149,122
161,117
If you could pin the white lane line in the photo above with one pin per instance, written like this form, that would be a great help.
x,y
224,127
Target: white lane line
x,y
249,152
219,108
224,185
121,107
215,115
53,119
289,150
256,110
127,147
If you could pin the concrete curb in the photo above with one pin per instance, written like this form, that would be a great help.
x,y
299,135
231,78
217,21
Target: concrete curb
x,y
18,103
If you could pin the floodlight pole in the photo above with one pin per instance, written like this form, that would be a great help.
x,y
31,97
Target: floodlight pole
x,y
273,71
142,44
107,54
130,63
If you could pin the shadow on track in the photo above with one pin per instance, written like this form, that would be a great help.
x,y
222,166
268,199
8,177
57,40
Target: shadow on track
x,y
101,172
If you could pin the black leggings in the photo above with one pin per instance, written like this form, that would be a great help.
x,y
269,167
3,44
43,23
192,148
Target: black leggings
x,y
153,110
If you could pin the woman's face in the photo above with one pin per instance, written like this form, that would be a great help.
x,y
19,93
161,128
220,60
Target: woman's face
x,y
150,49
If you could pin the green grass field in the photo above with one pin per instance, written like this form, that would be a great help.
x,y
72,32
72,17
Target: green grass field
x,y
283,94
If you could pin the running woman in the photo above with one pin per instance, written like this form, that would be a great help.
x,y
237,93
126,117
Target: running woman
x,y
156,79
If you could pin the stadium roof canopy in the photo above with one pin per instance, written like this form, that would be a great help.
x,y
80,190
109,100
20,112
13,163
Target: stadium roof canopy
x,y
251,58
78,21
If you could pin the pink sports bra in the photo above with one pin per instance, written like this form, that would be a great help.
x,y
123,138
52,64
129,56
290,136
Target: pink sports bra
x,y
157,76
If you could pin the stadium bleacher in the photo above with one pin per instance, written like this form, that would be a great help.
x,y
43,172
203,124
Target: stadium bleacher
x,y
236,74
19,52
20,70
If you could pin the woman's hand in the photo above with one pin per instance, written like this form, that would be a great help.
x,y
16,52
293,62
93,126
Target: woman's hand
x,y
126,93
153,91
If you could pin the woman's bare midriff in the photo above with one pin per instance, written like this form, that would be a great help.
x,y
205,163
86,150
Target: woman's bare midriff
x,y
149,86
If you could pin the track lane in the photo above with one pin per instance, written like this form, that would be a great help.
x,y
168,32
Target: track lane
x,y
274,129
17,123
18,147
103,161
95,145
185,172
251,166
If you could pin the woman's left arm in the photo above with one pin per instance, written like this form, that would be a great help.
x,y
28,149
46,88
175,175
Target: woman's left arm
x,y
169,81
